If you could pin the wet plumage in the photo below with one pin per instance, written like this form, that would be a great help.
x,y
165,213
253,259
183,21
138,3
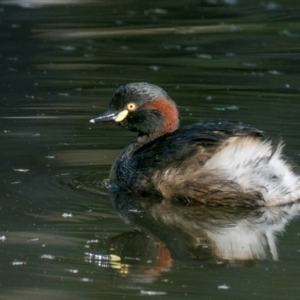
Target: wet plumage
x,y
215,163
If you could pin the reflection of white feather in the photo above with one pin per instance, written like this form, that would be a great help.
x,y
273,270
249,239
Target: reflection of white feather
x,y
229,237
253,238
257,165
244,242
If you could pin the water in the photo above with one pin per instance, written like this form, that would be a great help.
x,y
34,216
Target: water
x,y
61,234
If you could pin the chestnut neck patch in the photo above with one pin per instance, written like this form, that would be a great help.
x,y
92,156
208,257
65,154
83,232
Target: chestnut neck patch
x,y
168,111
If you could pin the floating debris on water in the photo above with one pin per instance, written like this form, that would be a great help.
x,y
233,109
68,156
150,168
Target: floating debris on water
x,y
204,56
18,263
33,240
156,11
92,241
21,170
153,293
86,279
223,287
274,72
247,64
67,48
48,256
74,271
154,68
67,215
232,107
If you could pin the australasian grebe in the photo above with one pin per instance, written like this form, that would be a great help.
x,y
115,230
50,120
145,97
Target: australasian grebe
x,y
215,163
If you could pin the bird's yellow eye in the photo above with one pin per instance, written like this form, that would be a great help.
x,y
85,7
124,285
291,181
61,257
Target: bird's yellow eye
x,y
131,106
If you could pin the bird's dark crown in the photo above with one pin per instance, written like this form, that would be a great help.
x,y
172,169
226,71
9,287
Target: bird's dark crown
x,y
137,92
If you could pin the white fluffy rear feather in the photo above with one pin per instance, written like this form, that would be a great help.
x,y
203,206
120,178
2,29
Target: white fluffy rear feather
x,y
257,165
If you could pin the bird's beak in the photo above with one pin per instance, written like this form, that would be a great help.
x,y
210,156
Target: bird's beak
x,y
111,115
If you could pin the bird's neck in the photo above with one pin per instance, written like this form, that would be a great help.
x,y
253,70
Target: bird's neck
x,y
144,139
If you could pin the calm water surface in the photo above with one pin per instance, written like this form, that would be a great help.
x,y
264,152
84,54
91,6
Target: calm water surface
x,y
61,234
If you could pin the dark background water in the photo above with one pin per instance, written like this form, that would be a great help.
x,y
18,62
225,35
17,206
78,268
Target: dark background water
x,y
60,62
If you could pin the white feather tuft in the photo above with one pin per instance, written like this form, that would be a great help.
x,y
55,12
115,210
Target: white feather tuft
x,y
257,165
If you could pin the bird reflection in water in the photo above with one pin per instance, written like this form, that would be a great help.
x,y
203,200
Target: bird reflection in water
x,y
165,232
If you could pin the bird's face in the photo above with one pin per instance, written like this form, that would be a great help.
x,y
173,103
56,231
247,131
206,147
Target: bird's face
x,y
143,108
